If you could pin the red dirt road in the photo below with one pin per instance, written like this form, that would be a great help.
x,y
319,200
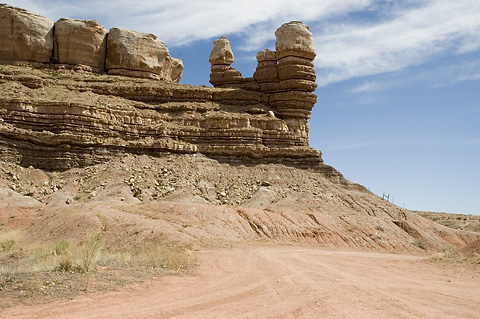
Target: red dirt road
x,y
288,282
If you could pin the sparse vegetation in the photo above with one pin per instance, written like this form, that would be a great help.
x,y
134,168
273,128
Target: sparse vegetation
x,y
90,252
4,280
455,221
7,245
452,255
421,243
61,247
66,268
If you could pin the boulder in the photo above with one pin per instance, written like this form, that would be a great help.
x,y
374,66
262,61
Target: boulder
x,y
24,35
80,42
176,70
294,39
222,52
137,54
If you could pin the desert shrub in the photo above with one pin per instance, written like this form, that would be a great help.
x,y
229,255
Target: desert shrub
x,y
6,245
421,243
90,252
61,248
66,264
5,278
451,254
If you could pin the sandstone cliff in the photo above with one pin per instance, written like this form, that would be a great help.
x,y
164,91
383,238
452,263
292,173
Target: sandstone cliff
x,y
56,118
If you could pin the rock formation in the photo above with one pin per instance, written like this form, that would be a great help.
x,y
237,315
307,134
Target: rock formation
x,y
57,120
266,74
80,42
295,55
176,70
24,36
285,77
221,58
137,54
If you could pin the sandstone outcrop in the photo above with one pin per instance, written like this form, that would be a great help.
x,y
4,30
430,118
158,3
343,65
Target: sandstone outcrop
x,y
266,74
285,78
80,42
137,54
295,55
83,45
221,58
24,36
176,70
57,120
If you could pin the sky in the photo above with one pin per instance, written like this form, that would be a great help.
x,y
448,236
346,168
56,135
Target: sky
x,y
398,106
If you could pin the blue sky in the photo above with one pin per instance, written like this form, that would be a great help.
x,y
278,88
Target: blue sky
x,y
399,81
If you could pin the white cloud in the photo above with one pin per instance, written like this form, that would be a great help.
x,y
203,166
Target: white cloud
x,y
367,86
180,22
467,70
354,38
413,36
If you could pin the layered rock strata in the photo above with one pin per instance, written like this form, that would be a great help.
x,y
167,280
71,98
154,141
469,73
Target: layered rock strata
x,y
58,120
83,44
285,77
295,54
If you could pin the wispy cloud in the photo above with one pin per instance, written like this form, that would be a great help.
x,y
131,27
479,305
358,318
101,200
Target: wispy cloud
x,y
411,37
467,70
354,38
179,22
367,86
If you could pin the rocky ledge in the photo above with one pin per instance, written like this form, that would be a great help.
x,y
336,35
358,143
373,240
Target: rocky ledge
x,y
58,118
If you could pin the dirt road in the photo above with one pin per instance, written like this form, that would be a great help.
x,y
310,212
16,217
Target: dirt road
x,y
288,282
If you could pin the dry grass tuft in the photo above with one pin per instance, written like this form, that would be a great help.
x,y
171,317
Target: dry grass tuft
x,y
51,270
452,255
90,252
421,243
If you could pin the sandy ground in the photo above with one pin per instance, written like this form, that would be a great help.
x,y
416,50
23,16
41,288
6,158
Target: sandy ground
x,y
288,282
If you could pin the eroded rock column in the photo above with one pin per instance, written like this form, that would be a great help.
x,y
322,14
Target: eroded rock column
x,y
266,74
295,54
221,58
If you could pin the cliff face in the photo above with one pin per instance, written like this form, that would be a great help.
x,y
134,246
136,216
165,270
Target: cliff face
x,y
57,117
57,120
